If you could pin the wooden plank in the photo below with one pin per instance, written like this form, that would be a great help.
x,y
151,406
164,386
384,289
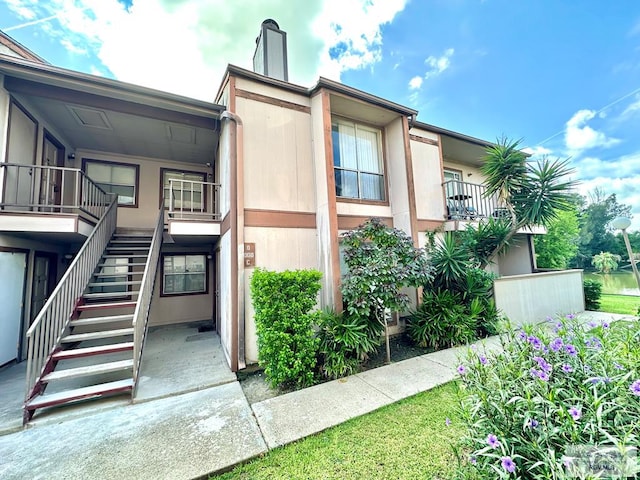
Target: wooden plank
x,y
99,320
132,255
131,264
85,371
110,294
128,249
83,393
115,284
81,337
102,306
90,351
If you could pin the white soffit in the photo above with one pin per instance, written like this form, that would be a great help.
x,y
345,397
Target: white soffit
x,y
89,117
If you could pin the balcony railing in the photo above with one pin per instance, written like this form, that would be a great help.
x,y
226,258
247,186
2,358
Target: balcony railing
x,y
468,201
194,200
45,189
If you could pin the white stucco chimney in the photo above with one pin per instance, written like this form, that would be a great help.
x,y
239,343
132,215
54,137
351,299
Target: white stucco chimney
x,y
270,57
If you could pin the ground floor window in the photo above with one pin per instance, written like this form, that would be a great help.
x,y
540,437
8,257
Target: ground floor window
x,y
184,274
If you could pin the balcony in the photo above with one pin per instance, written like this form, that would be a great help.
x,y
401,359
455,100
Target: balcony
x,y
193,210
44,201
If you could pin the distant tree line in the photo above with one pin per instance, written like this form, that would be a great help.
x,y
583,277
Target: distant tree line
x,y
580,233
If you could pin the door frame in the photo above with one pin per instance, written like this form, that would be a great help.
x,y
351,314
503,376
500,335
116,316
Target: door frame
x,y
47,136
23,323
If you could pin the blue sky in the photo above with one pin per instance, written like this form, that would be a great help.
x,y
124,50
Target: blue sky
x,y
562,75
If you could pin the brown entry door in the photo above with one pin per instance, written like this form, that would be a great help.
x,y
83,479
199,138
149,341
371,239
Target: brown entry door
x,y
43,278
51,179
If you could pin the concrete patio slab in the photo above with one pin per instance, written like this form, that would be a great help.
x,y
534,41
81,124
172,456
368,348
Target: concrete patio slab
x,y
295,415
12,381
408,377
182,437
180,359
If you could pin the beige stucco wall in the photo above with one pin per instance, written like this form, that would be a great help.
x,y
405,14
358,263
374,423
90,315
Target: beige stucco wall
x,y
146,213
397,175
271,91
517,259
225,295
531,298
470,174
278,158
277,249
427,178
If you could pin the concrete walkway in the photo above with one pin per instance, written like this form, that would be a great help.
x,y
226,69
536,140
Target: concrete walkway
x,y
198,433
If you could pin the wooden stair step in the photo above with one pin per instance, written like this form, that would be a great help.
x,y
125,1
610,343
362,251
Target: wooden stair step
x,y
110,294
102,306
114,284
68,396
109,275
82,337
128,255
98,320
128,249
125,242
90,351
130,264
85,371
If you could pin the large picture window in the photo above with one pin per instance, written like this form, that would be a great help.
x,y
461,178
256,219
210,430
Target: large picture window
x,y
184,274
187,192
357,161
118,178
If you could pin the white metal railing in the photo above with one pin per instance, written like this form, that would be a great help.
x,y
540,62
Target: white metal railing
x,y
192,199
141,313
468,201
47,329
46,189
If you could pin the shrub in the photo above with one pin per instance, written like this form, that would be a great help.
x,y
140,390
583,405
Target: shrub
x,y
549,389
592,293
441,321
344,343
287,345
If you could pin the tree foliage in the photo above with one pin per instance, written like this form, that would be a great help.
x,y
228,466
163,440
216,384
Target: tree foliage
x,y
381,261
532,192
605,262
560,245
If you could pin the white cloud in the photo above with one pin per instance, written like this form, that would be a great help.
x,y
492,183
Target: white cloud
x,y
632,108
437,65
415,83
537,151
184,46
73,48
579,136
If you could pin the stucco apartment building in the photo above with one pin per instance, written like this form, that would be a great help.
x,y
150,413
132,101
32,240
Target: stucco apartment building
x,y
124,208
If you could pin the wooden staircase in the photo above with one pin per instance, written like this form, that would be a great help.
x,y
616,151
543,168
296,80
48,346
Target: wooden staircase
x,y
95,355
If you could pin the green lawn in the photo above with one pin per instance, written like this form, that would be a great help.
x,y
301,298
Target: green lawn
x,y
405,440
619,304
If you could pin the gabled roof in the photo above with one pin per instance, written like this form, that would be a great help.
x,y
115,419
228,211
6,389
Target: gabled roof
x,y
19,49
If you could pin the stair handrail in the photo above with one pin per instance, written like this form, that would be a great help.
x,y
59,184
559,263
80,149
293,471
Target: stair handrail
x,y
46,331
141,313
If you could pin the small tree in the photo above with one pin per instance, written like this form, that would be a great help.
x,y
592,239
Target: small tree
x,y
532,193
381,261
605,262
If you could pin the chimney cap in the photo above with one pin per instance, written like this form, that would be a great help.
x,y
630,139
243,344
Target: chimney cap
x,y
271,21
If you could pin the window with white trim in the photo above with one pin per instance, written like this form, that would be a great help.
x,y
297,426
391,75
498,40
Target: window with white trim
x,y
118,178
184,274
357,161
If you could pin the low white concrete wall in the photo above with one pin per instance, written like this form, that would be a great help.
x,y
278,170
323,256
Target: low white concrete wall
x,y
532,297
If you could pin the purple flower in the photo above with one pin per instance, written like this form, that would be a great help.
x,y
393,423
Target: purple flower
x,y
593,342
605,324
544,376
483,359
521,335
447,421
493,441
461,369
557,344
532,423
566,368
473,460
617,366
508,464
635,388
571,316
593,324
575,412
535,342
571,350
542,363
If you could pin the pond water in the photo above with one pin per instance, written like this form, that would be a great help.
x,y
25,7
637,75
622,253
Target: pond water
x,y
621,283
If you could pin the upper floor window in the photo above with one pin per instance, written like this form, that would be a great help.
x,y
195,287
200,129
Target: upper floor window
x,y
357,161
186,190
118,178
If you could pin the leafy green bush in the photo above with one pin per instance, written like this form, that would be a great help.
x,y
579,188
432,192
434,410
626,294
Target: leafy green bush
x,y
344,343
287,344
441,321
575,384
592,293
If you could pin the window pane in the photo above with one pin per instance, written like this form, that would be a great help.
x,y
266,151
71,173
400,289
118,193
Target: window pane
x,y
346,141
372,186
195,263
98,172
123,175
367,144
195,282
346,183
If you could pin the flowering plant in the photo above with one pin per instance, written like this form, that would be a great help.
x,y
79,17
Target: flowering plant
x,y
552,386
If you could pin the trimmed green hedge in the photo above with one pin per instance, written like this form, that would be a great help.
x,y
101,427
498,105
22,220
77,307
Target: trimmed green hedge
x,y
287,345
